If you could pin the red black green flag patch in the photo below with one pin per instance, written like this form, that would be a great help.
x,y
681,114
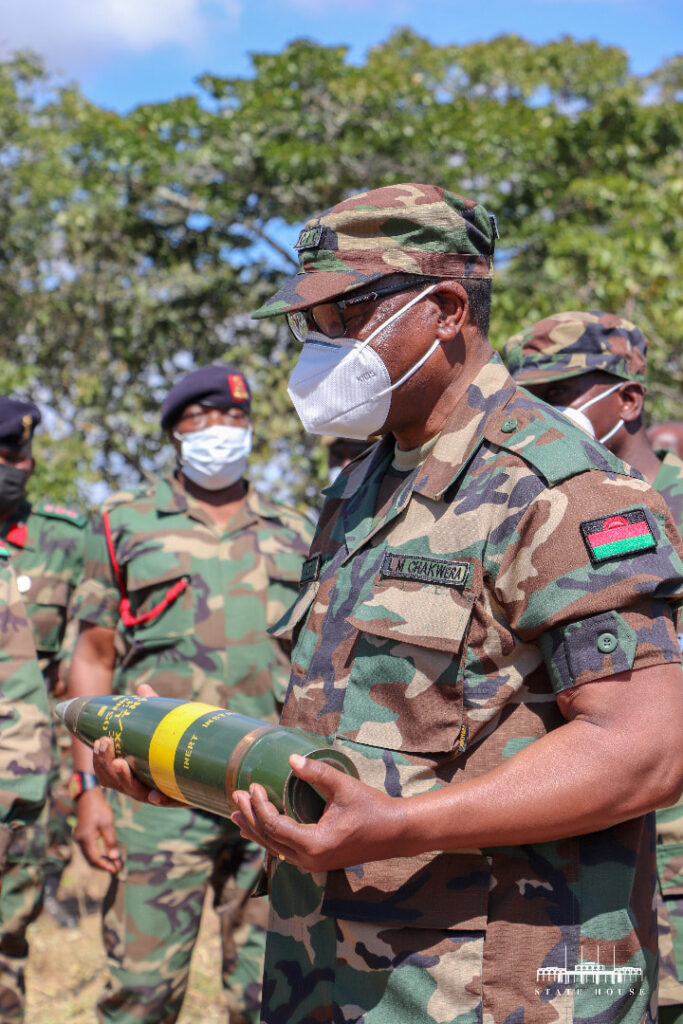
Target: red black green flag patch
x,y
614,536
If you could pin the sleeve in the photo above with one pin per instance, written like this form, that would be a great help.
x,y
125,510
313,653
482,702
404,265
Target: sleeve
x,y
593,575
97,597
24,718
284,572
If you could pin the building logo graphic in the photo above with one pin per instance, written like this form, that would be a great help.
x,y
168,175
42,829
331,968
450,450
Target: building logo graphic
x,y
591,972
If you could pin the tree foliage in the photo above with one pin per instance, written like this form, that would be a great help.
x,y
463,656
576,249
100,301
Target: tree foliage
x,y
133,247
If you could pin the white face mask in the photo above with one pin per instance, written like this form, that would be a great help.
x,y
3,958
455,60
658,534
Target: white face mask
x,y
341,386
215,457
579,417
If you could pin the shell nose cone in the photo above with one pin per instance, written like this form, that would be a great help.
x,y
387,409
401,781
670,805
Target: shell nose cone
x,y
69,710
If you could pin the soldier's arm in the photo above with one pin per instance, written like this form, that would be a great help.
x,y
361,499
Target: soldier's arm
x,y
618,756
91,673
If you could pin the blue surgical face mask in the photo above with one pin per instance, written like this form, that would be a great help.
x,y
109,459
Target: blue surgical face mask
x,y
215,457
577,415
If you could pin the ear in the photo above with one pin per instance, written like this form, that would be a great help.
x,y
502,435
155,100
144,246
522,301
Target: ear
x,y
631,401
33,466
451,298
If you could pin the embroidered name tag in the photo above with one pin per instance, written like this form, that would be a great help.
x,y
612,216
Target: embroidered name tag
x,y
309,238
445,572
615,536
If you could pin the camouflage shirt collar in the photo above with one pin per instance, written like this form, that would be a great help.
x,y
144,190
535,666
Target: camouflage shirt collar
x,y
172,497
487,395
672,466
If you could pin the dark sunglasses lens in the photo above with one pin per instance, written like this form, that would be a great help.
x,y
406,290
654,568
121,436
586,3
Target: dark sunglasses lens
x,y
328,319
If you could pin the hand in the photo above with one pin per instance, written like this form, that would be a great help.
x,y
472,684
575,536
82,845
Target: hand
x,y
95,829
116,773
359,823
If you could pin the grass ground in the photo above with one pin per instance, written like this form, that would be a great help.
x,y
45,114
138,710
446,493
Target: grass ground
x,y
67,965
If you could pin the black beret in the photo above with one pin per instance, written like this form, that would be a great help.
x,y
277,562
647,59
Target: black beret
x,y
219,386
18,420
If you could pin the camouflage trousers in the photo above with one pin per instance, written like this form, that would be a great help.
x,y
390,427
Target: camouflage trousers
x,y
20,904
153,909
670,929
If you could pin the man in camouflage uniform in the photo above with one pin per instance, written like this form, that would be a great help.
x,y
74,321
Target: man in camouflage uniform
x,y
45,544
485,608
205,565
597,362
24,766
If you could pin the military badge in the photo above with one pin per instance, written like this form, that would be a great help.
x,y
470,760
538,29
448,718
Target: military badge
x,y
238,387
309,238
613,536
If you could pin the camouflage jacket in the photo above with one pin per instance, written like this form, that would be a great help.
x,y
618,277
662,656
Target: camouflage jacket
x,y
211,642
46,545
437,619
24,729
669,483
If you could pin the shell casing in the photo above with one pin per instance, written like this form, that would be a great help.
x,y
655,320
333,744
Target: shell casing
x,y
199,754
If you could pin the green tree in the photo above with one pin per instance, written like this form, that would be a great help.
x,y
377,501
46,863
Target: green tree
x,y
135,246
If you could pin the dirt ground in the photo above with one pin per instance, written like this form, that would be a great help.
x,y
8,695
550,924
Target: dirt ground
x,y
67,965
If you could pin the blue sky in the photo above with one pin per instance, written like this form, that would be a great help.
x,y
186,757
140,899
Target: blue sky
x,y
125,52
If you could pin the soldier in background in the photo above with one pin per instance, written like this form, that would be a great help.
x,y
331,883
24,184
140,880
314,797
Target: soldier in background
x,y
666,436
181,580
592,366
45,545
24,765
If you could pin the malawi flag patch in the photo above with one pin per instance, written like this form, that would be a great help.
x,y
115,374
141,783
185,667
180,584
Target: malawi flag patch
x,y
628,533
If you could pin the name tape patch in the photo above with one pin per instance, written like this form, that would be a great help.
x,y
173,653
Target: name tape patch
x,y
445,572
309,238
618,535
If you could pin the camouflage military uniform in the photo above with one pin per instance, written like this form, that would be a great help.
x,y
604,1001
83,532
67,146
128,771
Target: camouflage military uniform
x,y
46,544
210,644
669,483
441,610
24,764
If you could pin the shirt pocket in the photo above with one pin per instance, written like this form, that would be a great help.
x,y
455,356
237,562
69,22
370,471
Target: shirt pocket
x,y
405,685
434,890
45,603
149,583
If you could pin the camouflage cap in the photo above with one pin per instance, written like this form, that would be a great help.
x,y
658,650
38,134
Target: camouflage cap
x,y
412,229
570,344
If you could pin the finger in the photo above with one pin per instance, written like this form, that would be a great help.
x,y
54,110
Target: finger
x,y
111,851
243,803
279,830
329,781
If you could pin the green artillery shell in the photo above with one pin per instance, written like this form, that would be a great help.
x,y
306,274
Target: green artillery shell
x,y
200,754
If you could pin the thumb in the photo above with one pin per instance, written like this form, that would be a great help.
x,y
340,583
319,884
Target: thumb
x,y
328,780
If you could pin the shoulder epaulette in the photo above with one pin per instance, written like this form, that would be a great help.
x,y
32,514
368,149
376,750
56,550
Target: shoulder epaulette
x,y
70,515
552,445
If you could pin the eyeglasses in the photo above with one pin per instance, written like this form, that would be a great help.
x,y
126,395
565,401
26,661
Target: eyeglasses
x,y
198,417
328,317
